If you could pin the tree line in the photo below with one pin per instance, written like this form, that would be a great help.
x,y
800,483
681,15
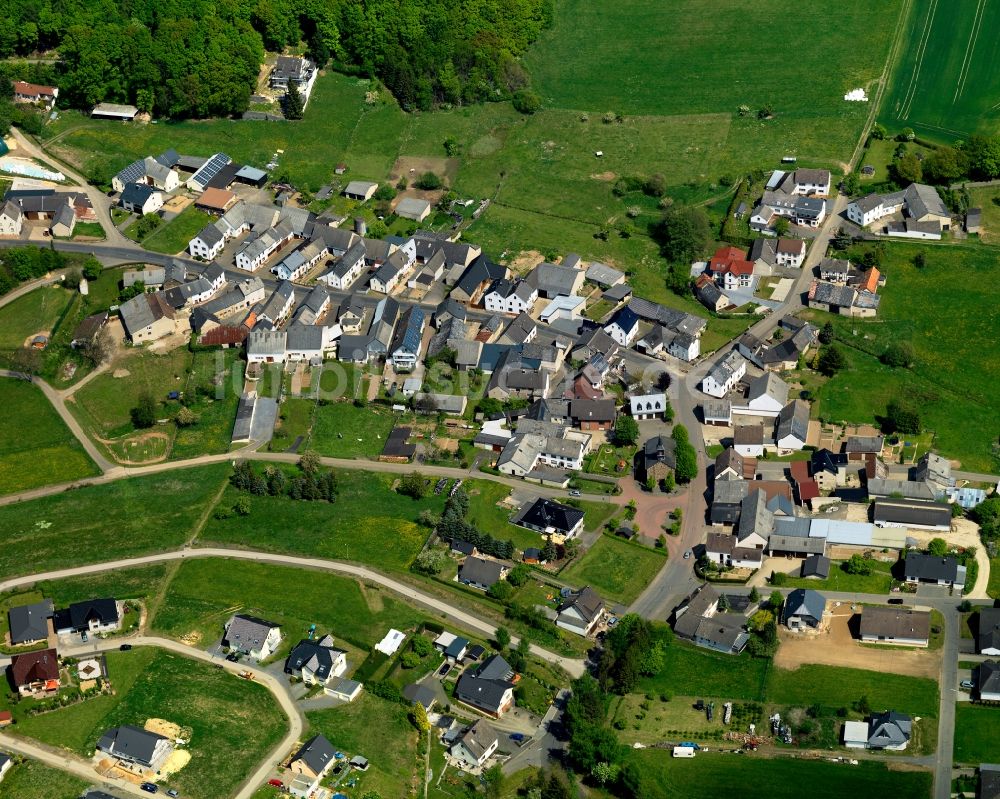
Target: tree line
x,y
194,58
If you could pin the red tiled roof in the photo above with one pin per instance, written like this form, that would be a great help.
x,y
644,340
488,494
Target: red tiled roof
x,y
730,259
808,489
224,334
799,470
34,667
20,87
871,280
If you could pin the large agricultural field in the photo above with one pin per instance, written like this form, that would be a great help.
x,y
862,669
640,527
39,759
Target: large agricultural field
x,y
36,447
230,722
946,311
946,80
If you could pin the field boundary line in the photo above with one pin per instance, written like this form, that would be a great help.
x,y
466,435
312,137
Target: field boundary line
x,y
970,49
921,50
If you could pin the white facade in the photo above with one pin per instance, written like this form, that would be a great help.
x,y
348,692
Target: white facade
x,y
517,301
725,375
199,248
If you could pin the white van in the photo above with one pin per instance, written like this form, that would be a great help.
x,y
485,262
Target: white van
x,y
683,751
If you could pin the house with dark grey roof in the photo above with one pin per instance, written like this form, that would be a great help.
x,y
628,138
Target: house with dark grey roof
x,y
623,326
933,570
987,681
138,198
895,625
481,573
136,746
147,317
889,730
891,512
91,616
581,612
407,340
554,280
316,662
550,518
488,687
420,695
252,636
988,639
803,609
792,430
476,744
727,499
697,619
816,567
29,624
311,763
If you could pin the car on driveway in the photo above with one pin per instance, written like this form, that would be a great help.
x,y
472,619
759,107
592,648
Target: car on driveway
x,y
445,668
517,737
276,783
149,787
125,648
966,684
687,554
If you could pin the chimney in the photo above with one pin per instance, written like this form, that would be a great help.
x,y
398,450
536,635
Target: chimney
x,y
360,226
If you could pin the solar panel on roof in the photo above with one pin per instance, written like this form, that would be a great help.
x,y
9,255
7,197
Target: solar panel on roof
x,y
211,168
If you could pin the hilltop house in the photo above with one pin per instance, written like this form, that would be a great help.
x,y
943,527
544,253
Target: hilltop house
x,y
251,636
316,662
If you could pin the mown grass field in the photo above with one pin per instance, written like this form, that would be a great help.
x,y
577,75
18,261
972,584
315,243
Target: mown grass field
x,y
173,237
369,523
878,582
390,744
125,518
36,447
840,687
233,722
35,312
946,311
616,569
946,79
340,430
205,592
976,740
711,776
988,199
692,671
29,779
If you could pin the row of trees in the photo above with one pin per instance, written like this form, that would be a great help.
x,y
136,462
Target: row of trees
x,y
312,483
196,58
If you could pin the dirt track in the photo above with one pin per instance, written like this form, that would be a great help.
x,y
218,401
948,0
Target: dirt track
x,y
836,647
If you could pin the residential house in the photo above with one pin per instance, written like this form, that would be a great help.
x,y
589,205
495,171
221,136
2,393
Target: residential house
x,y
595,342
157,172
913,514
555,280
623,327
749,440
710,295
407,340
988,639
568,309
889,730
920,204
346,269
510,296
843,300
647,406
769,254
481,573
895,625
29,624
92,616
580,612
803,609
291,69
489,687
11,219
521,330
252,636
314,759
724,549
35,93
35,672
698,619
139,198
453,647
730,269
136,747
987,681
480,274
550,518
147,317
766,396
725,374
816,567
934,470
598,414
658,458
413,208
727,500
835,270
792,430
390,274
730,465
279,304
420,695
476,744
316,662
932,570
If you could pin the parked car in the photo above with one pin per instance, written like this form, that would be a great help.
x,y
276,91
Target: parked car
x,y
966,684
895,601
172,793
276,783
232,657
445,668
517,737
574,493
149,787
125,648
687,554
83,637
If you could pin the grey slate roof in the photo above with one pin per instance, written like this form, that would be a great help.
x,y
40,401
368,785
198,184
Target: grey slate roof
x,y
479,738
247,632
989,629
928,567
793,420
130,743
317,753
30,622
804,602
546,514
889,729
480,571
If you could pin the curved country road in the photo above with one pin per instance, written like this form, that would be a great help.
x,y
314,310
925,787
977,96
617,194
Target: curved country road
x,y
575,668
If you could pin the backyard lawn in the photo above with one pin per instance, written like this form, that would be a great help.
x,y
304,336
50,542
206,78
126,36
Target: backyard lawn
x,y
369,523
125,518
390,744
230,723
294,423
37,311
36,447
754,777
173,237
341,430
205,592
692,671
954,401
836,687
976,739
879,582
616,569
993,587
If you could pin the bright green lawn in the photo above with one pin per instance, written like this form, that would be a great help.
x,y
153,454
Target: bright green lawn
x,y
213,385
993,586
945,81
294,420
32,313
338,426
840,687
988,200
616,569
233,722
693,671
390,744
173,237
206,592
29,779
369,523
125,518
138,582
878,582
88,230
711,776
36,447
976,739
955,400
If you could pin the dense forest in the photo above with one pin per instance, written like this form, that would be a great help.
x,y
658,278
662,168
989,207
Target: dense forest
x,y
196,58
